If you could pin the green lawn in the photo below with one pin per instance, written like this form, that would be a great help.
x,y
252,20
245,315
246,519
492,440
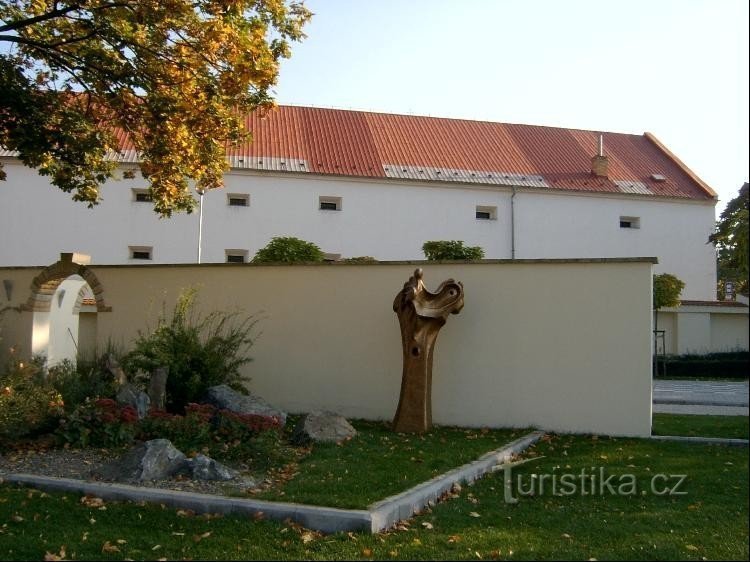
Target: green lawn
x,y
736,427
378,463
710,522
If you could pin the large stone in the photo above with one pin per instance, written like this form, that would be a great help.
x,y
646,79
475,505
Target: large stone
x,y
157,459
130,395
224,397
202,467
323,427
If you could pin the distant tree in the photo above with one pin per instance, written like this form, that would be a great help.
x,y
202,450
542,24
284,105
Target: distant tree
x,y
177,76
360,260
666,294
667,290
436,250
288,249
731,239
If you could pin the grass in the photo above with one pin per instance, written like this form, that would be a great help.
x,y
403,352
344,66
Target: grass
x,y
378,463
710,521
736,427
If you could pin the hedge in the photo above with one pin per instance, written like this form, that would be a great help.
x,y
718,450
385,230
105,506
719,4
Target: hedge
x,y
733,364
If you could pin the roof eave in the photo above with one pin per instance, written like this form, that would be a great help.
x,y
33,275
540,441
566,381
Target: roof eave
x,y
693,176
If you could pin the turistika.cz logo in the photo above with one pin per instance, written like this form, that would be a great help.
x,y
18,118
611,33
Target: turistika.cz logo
x,y
592,481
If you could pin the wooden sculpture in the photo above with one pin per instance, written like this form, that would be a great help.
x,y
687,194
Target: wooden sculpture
x,y
421,314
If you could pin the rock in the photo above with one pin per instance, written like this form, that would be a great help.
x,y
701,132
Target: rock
x,y
224,397
157,459
157,387
129,395
323,427
202,467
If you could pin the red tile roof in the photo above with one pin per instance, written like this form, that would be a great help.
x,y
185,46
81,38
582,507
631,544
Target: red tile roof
x,y
381,145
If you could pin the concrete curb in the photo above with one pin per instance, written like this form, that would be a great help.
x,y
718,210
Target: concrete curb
x,y
389,511
377,517
700,402
702,440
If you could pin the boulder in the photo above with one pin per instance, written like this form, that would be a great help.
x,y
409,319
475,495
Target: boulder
x,y
157,388
202,467
130,395
224,397
323,427
157,459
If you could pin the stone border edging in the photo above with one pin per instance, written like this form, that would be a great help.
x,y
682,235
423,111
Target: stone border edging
x,y
389,511
702,440
378,517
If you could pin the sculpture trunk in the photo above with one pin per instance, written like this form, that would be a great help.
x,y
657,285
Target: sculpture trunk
x,y
421,314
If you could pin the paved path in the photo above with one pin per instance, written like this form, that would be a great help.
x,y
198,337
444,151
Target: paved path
x,y
706,393
706,398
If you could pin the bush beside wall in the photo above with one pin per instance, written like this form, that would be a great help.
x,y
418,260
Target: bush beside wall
x,y
712,365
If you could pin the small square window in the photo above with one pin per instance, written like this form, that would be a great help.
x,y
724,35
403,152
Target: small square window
x,y
236,256
330,203
486,213
140,252
238,199
630,222
142,196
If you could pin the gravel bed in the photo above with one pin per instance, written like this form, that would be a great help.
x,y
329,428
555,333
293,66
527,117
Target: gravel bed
x,y
82,464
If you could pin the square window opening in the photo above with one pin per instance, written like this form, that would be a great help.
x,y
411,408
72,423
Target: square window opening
x,y
236,256
486,213
329,203
142,196
238,200
140,252
630,222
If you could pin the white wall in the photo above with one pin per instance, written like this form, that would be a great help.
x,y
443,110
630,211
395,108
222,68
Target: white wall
x,y
536,344
386,220
704,329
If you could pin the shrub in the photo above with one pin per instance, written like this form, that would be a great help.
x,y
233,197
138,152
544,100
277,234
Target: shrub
x,y
710,365
435,250
288,250
99,423
200,352
220,434
360,259
29,405
76,382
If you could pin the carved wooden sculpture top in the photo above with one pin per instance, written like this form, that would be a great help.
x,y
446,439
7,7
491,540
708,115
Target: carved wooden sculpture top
x,y
421,314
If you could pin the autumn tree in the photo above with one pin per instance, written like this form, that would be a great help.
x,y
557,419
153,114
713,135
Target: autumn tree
x,y
666,292
174,76
731,239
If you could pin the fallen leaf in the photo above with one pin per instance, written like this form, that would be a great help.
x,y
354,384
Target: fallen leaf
x,y
476,553
108,547
185,513
16,518
454,539
566,536
59,556
307,538
156,547
92,501
367,552
427,525
199,538
121,541
691,547
474,514
176,534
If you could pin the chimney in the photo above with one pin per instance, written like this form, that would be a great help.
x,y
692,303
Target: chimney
x,y
600,163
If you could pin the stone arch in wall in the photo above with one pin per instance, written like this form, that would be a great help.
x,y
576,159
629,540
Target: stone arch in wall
x,y
65,300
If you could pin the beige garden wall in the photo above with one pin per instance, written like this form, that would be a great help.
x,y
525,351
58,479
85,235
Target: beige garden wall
x,y
561,345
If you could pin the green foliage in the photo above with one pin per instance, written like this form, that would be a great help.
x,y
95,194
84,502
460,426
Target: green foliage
x,y
438,250
200,351
99,423
360,260
732,364
287,249
77,382
220,434
731,239
176,75
29,405
667,290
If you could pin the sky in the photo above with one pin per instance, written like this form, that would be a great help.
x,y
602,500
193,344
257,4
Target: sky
x,y
675,68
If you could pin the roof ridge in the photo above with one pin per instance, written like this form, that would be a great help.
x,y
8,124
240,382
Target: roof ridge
x,y
459,119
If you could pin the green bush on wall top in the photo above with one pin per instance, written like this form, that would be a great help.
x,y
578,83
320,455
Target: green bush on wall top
x,y
436,250
288,249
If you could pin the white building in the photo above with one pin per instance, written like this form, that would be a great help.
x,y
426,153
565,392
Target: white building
x,y
380,185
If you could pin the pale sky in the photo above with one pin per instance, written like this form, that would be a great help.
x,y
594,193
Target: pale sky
x,y
675,68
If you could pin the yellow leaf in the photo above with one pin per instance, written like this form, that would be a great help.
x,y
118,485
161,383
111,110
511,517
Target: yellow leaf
x,y
108,547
